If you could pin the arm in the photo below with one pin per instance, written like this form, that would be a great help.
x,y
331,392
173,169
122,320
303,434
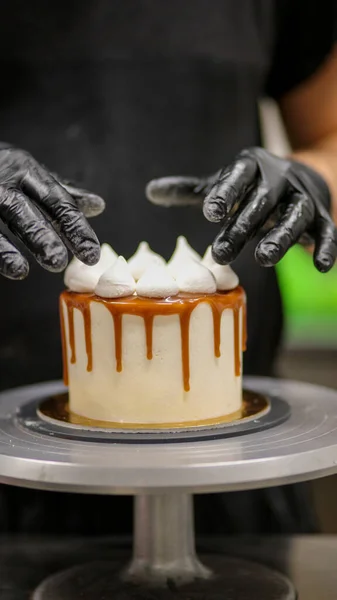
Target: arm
x,y
310,116
283,201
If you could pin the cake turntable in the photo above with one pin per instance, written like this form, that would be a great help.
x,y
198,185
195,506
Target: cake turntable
x,y
300,444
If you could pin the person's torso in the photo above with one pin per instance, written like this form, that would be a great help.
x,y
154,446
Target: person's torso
x,y
112,94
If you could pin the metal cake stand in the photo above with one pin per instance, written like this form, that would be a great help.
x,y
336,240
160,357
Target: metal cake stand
x,y
295,441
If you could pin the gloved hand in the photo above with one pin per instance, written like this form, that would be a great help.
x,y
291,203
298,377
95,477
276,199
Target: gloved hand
x,y
45,213
259,192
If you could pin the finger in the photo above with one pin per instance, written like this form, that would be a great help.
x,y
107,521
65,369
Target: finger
x,y
233,184
31,227
295,221
13,264
176,191
61,208
243,225
89,204
326,245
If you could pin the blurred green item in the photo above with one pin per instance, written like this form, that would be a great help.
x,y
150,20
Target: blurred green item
x,y
310,300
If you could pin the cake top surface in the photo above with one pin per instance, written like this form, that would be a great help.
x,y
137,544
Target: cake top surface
x,y
148,275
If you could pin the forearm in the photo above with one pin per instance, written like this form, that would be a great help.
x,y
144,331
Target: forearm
x,y
322,156
310,115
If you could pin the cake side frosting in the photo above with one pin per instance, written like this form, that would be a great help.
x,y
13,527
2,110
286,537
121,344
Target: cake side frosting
x,y
182,306
161,348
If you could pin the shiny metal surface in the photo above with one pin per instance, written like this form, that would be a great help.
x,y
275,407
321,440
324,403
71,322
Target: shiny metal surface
x,y
308,561
165,560
165,565
304,447
163,541
51,417
234,579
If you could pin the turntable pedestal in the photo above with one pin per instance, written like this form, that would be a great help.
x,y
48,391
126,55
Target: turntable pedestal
x,y
162,473
163,543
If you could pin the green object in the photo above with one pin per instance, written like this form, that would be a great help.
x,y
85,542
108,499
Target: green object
x,y
310,299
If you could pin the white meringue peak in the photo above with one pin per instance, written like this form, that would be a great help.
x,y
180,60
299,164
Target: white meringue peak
x,y
81,278
195,278
116,281
157,282
208,260
144,258
182,251
107,258
71,269
113,277
225,277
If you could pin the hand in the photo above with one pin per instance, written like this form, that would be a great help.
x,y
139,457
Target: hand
x,y
45,213
259,193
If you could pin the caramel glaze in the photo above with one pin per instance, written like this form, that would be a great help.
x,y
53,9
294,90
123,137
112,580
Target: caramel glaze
x,y
147,308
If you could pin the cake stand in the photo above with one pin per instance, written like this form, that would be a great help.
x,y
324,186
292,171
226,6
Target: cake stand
x,y
162,476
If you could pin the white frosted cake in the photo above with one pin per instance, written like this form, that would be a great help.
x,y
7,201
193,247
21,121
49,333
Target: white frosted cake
x,y
153,344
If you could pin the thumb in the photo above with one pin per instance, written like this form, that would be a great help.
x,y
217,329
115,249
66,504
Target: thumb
x,y
89,204
177,191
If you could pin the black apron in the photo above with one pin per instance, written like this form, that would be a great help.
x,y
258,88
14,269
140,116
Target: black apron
x,y
112,94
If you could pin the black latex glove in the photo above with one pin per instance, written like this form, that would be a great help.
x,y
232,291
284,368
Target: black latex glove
x,y
259,192
45,213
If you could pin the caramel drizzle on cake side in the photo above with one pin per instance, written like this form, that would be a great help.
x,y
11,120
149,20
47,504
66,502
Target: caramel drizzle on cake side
x,y
147,308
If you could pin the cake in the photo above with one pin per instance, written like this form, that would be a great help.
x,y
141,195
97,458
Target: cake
x,y
153,344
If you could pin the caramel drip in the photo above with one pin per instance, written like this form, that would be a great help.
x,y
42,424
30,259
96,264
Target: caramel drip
x,y
236,318
117,319
217,314
87,334
185,318
64,345
71,332
148,321
182,305
244,327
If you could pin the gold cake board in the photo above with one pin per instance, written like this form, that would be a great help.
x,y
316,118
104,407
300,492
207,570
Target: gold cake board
x,y
56,409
